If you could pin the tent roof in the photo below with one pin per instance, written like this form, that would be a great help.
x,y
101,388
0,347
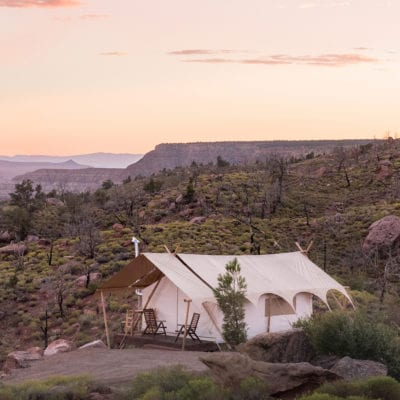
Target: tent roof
x,y
284,274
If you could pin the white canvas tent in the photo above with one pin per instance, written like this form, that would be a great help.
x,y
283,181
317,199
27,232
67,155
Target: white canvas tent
x,y
280,288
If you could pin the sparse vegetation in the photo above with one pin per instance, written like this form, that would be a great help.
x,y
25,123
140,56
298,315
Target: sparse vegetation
x,y
356,335
241,217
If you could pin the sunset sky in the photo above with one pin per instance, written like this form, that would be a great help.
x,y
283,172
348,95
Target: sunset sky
x,y
125,75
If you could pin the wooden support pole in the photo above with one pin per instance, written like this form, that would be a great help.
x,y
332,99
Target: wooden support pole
x,y
299,247
187,301
268,300
147,302
103,305
307,249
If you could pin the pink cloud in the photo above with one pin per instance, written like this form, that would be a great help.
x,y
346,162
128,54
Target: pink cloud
x,y
191,52
113,53
209,60
38,3
94,16
324,60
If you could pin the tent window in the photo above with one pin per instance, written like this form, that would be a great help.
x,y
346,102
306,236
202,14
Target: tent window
x,y
275,305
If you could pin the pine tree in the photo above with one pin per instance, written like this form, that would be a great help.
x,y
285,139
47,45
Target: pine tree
x,y
231,296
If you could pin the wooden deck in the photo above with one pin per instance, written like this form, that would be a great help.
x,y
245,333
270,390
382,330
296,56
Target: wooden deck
x,y
163,342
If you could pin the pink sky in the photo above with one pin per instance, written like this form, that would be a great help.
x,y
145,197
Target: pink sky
x,y
125,75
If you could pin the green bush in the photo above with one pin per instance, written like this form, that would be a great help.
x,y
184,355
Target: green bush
x,y
353,334
176,383
379,388
56,388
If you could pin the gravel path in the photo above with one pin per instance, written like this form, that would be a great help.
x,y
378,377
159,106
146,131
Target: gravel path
x,y
111,367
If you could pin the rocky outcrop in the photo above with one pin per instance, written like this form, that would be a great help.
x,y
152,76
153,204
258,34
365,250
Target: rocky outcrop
x,y
97,344
21,359
58,346
93,277
348,368
173,155
230,369
169,156
385,170
5,237
14,248
74,180
283,347
197,220
383,234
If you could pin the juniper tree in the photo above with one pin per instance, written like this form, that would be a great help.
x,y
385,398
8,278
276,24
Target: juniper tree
x,y
231,296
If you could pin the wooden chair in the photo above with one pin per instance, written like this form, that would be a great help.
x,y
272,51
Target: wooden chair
x,y
191,328
153,327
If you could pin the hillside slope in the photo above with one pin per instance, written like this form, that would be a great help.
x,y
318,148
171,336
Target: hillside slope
x,y
259,208
169,156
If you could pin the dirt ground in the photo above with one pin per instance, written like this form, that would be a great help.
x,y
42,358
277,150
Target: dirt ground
x,y
111,367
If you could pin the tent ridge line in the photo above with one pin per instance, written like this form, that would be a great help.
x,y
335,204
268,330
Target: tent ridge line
x,y
193,272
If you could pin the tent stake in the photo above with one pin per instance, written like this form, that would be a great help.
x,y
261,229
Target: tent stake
x,y
103,305
187,301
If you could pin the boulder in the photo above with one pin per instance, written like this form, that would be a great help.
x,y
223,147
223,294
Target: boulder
x,y
44,242
81,281
97,344
5,237
384,233
20,359
14,248
283,347
197,220
385,170
58,346
32,239
349,369
118,227
282,379
53,201
179,199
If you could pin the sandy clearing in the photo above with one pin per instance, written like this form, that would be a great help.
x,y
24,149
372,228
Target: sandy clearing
x,y
111,367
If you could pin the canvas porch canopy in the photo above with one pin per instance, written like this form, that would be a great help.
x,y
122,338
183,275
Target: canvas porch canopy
x,y
167,279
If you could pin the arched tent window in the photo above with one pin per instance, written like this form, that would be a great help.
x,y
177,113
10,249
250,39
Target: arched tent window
x,y
275,308
276,305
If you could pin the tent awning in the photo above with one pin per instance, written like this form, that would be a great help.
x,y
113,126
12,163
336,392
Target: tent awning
x,y
139,273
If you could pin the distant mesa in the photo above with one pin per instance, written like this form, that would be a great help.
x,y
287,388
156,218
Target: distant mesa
x,y
172,155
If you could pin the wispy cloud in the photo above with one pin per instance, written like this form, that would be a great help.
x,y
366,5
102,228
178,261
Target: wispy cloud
x,y
361,48
113,53
209,60
38,3
93,16
315,4
323,60
199,52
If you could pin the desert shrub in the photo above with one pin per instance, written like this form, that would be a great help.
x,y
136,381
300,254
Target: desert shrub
x,y
353,334
56,388
251,388
378,388
201,388
176,383
320,396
